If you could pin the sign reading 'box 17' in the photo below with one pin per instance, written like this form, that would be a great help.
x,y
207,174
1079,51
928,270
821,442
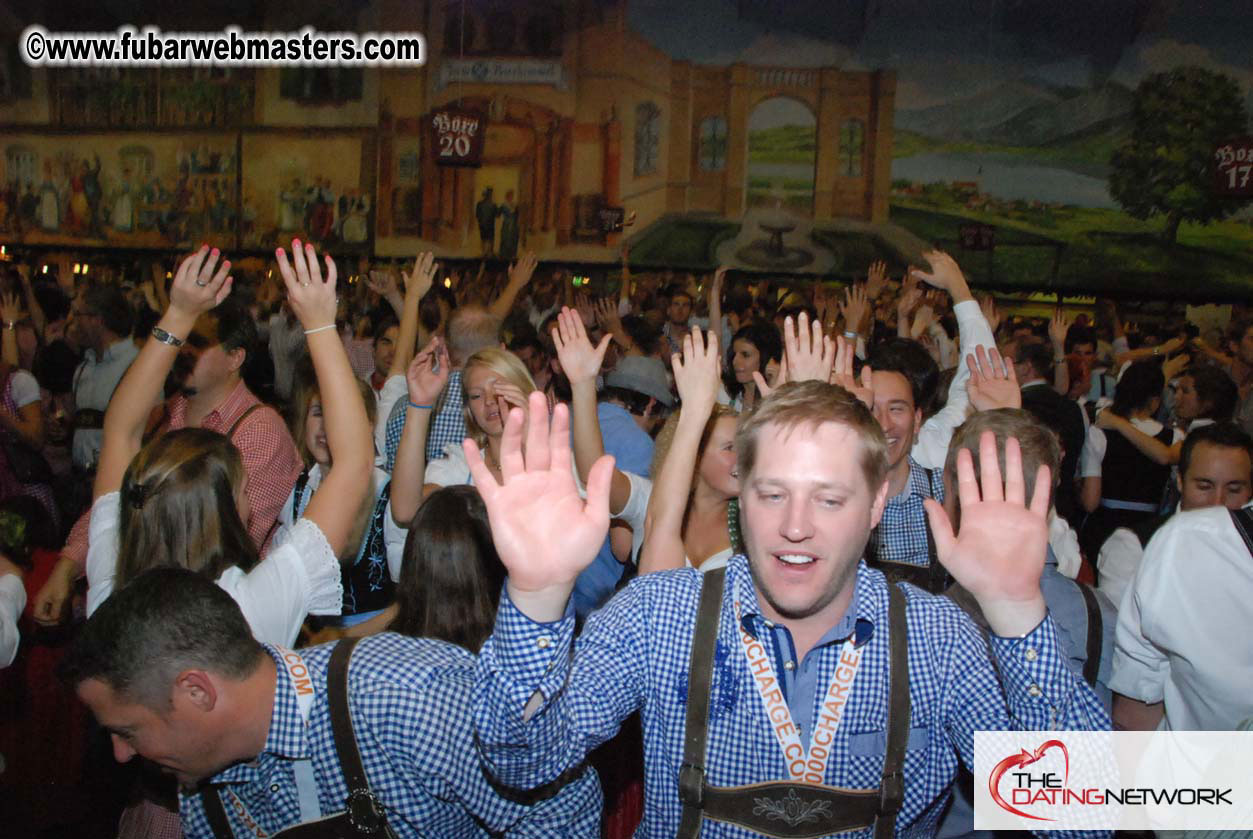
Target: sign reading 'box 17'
x,y
1233,168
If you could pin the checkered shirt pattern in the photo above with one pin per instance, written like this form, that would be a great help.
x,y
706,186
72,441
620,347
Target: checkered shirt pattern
x,y
270,460
902,532
633,655
447,426
408,700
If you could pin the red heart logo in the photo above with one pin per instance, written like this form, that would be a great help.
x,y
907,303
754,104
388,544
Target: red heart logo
x,y
1025,758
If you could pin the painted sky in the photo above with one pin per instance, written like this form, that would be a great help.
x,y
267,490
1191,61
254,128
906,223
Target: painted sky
x,y
947,49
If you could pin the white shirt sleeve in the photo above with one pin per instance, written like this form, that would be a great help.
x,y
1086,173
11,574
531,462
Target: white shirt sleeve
x,y
393,390
1117,563
450,470
12,602
1092,454
636,509
1065,544
300,577
102,550
394,537
24,388
935,434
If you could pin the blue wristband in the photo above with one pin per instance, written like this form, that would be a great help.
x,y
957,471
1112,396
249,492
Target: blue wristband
x,y
413,404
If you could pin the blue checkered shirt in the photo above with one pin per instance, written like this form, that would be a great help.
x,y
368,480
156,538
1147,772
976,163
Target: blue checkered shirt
x,y
902,532
447,426
633,655
408,699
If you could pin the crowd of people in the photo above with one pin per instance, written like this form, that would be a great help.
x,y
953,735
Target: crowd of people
x,y
456,554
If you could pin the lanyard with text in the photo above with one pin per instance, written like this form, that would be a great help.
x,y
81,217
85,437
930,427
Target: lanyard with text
x,y
306,783
811,767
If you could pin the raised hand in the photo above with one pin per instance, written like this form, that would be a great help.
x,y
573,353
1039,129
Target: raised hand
x,y
1059,325
998,555
945,274
10,308
580,361
197,287
382,283
855,308
544,533
993,382
520,272
428,372
807,352
911,297
607,317
419,281
923,318
696,374
584,306
1171,367
312,298
876,279
842,373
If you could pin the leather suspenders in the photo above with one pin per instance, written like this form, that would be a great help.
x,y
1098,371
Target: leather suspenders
x,y
791,810
363,815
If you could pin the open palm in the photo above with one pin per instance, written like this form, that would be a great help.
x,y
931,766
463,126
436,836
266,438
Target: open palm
x,y
544,532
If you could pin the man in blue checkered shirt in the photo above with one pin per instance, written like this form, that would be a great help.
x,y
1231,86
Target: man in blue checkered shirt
x,y
800,604
170,668
470,329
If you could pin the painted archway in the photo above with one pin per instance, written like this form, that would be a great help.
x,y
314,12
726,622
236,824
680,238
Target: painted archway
x,y
782,156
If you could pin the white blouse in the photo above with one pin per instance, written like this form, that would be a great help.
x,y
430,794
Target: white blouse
x,y
301,576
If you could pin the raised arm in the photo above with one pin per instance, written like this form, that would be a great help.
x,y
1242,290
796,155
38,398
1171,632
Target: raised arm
x,y
196,289
1059,325
37,315
715,300
1149,446
520,274
10,313
338,498
696,379
426,377
581,362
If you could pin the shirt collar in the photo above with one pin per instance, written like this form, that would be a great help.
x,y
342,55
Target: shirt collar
x,y
919,484
288,738
858,622
1033,383
116,349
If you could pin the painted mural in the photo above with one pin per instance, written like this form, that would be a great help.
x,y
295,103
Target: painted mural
x,y
314,188
117,190
1084,134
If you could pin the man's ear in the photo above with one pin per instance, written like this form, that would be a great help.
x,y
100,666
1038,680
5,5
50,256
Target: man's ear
x,y
238,356
196,688
880,501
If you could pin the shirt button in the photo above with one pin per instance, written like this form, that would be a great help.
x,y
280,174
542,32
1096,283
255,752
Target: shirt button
x,y
1030,654
543,641
1034,690
789,665
273,787
769,624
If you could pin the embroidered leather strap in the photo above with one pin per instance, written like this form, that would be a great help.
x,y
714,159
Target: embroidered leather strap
x,y
1096,632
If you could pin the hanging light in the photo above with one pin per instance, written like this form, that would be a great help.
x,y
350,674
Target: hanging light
x,y
447,282
45,269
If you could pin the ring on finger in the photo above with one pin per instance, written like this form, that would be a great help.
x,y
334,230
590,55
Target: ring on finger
x,y
202,285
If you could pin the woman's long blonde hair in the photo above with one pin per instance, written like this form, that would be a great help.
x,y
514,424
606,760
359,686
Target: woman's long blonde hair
x,y
504,364
178,507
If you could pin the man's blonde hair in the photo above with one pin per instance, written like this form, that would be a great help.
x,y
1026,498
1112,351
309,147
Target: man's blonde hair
x,y
1037,443
811,404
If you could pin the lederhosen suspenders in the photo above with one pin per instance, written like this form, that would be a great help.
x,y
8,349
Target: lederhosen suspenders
x,y
362,816
1096,633
161,415
931,577
815,809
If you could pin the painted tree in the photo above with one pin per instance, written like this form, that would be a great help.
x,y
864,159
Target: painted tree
x,y
1166,165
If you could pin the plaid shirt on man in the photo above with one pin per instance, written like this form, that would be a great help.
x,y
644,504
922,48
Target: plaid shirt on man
x,y
408,699
633,656
447,426
902,532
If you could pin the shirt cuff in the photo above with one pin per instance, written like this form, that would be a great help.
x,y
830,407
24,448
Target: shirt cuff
x,y
531,655
1032,668
12,597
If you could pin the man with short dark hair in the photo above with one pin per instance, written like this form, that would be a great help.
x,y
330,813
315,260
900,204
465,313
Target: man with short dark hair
x,y
743,675
1215,470
1034,366
263,739
99,324
384,339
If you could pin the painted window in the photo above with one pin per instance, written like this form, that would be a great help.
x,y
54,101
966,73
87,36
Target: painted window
x,y
713,144
647,138
852,147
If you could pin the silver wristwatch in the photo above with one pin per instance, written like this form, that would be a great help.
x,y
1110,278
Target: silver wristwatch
x,y
166,338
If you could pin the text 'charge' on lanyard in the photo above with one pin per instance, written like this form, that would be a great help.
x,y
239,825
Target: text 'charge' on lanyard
x,y
810,767
306,783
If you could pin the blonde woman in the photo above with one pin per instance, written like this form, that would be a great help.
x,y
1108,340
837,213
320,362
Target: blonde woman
x,y
493,381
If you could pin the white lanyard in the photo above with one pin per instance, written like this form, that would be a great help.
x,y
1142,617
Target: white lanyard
x,y
306,783
811,767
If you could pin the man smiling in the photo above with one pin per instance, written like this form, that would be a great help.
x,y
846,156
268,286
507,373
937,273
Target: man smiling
x,y
797,674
